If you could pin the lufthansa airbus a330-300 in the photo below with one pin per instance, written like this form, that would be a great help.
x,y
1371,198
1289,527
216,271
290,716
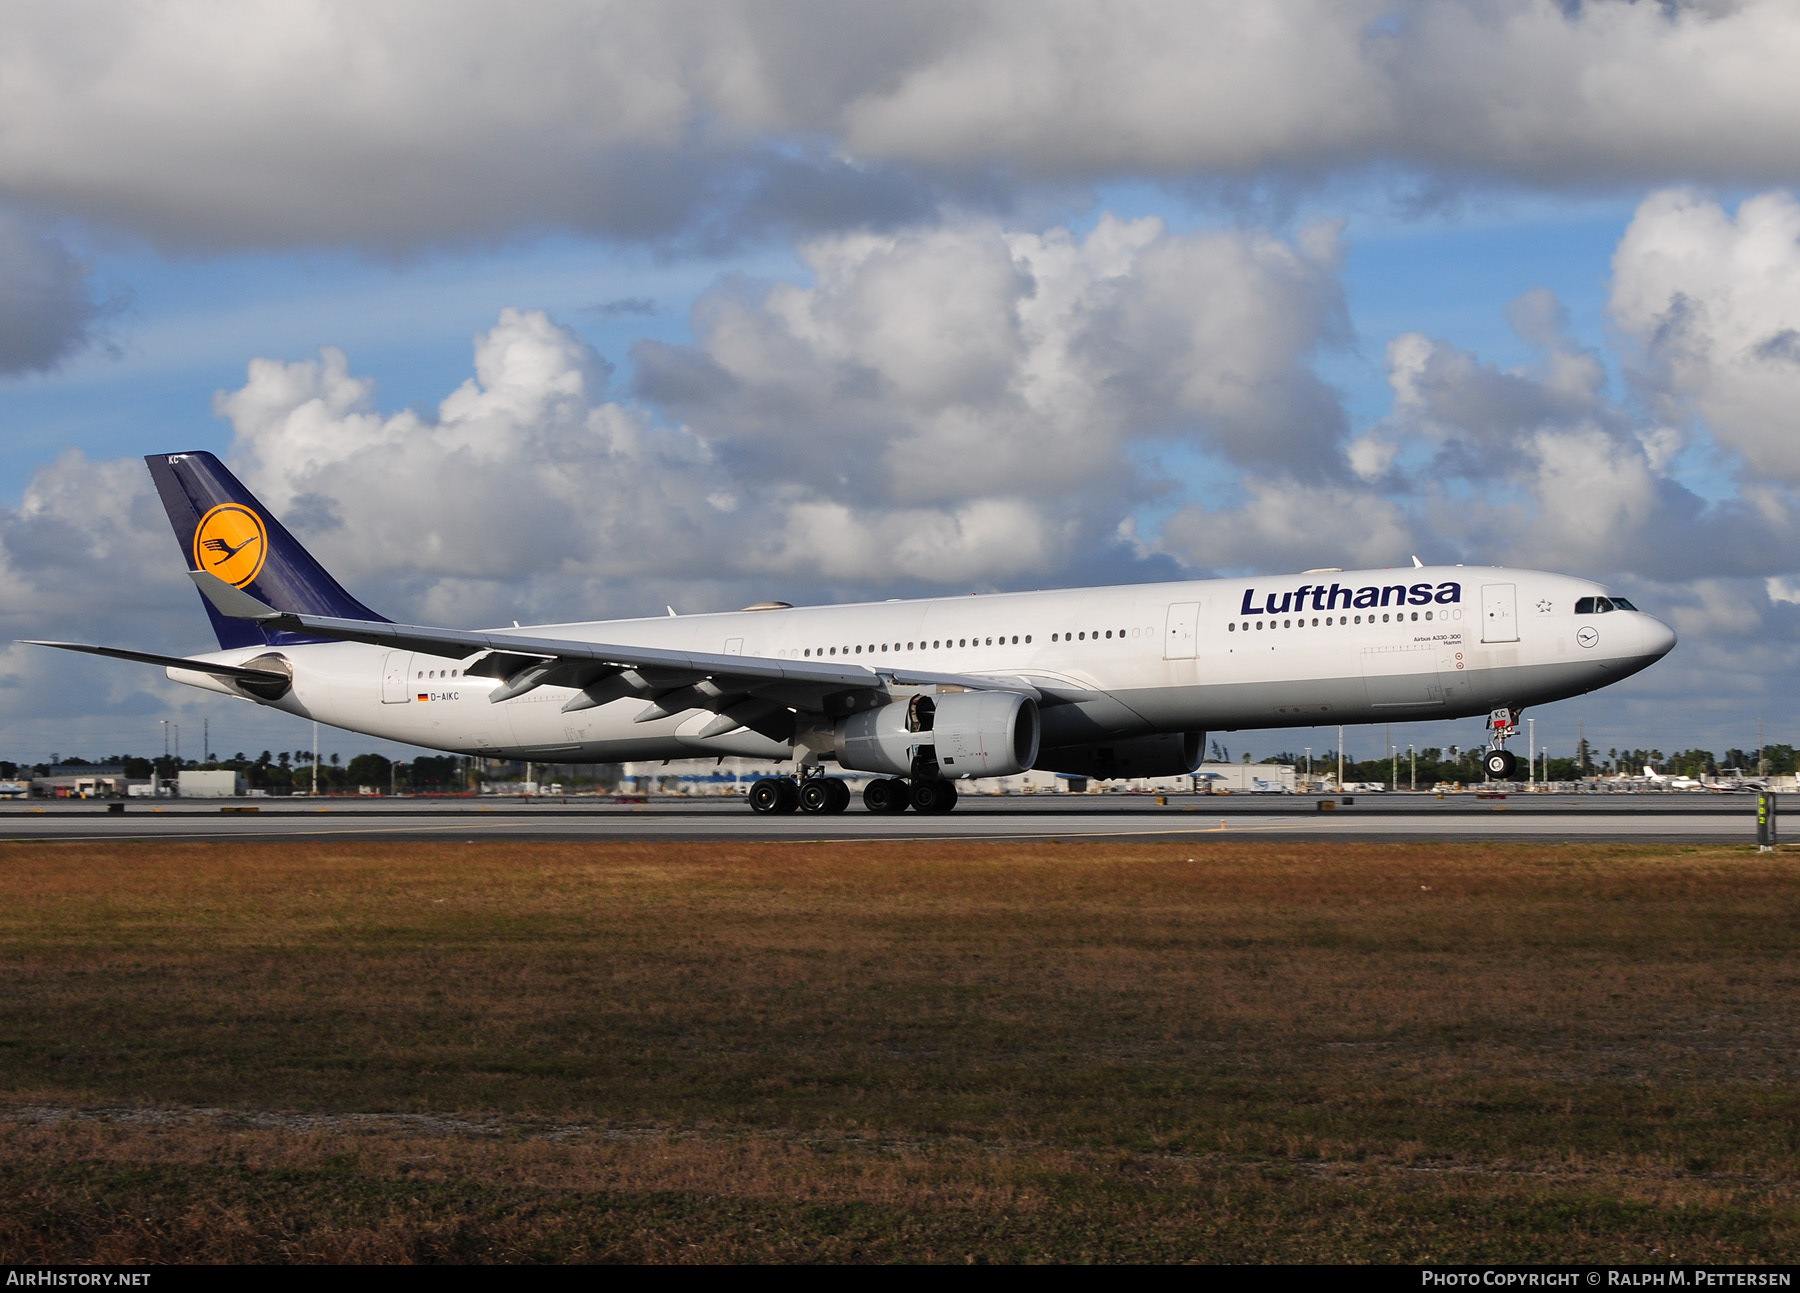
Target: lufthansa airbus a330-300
x,y
1095,682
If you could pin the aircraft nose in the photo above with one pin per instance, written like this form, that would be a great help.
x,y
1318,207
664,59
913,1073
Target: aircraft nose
x,y
1658,638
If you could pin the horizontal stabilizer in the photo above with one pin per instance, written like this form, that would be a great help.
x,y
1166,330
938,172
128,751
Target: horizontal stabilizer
x,y
170,661
231,601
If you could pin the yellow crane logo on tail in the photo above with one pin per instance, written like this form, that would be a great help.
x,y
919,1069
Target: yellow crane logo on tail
x,y
231,542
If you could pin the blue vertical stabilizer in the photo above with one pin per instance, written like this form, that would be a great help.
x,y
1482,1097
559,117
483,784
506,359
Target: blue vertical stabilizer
x,y
223,530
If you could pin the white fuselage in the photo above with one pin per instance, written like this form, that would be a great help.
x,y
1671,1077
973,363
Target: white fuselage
x,y
1199,656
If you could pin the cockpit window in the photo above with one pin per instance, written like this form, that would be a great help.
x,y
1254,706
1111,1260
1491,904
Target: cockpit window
x,y
1620,604
1602,604
1584,606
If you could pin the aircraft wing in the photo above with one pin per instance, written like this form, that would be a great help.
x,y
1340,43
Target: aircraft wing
x,y
745,691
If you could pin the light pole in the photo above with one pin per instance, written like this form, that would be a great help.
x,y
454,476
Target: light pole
x,y
393,772
1340,784
1531,764
1412,757
1309,765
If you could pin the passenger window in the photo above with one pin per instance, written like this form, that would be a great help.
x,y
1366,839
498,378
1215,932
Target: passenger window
x,y
1384,619
1259,626
1415,615
962,642
1231,628
1028,639
1287,624
1427,614
1584,606
1082,636
859,650
1315,621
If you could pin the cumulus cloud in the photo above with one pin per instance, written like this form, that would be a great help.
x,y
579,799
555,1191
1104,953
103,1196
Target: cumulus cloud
x,y
527,476
87,556
205,124
965,360
952,406
1712,302
46,306
1545,464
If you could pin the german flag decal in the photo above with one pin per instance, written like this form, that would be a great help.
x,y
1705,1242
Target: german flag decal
x,y
423,696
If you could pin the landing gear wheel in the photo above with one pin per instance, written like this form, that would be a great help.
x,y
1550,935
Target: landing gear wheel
x,y
840,796
933,796
816,796
1500,765
886,795
773,795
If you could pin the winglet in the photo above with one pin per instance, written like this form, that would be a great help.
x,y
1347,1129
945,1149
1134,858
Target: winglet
x,y
1417,564
230,600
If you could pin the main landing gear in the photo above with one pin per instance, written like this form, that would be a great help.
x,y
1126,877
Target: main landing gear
x,y
1499,762
894,795
829,795
813,795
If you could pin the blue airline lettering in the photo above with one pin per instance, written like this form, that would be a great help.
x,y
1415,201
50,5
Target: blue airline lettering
x,y
1327,599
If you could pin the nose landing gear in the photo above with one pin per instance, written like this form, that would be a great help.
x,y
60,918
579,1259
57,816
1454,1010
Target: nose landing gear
x,y
1499,762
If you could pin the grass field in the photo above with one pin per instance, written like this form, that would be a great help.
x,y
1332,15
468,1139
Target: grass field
x,y
1223,1052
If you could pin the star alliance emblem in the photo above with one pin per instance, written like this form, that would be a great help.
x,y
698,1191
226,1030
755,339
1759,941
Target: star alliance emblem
x,y
1545,606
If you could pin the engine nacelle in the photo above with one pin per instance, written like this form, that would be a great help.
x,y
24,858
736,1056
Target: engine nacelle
x,y
957,734
1174,754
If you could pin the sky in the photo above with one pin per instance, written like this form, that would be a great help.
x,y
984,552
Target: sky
x,y
584,310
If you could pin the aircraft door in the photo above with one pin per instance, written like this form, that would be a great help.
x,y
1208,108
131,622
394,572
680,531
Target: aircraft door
x,y
396,678
1181,630
1499,613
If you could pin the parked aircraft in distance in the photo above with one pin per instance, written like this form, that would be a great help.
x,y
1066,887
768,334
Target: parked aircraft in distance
x,y
1098,682
1659,781
1677,782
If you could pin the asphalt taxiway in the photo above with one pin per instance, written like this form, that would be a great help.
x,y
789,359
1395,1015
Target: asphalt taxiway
x,y
1685,818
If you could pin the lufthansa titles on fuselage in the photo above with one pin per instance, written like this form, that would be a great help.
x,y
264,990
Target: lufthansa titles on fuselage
x,y
1338,597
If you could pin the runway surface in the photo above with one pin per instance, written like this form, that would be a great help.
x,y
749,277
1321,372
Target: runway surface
x,y
1688,818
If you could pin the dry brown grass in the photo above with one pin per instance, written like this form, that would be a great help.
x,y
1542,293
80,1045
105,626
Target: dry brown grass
x,y
1247,1051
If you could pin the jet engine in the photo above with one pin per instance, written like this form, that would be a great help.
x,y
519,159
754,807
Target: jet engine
x,y
1173,754
950,735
